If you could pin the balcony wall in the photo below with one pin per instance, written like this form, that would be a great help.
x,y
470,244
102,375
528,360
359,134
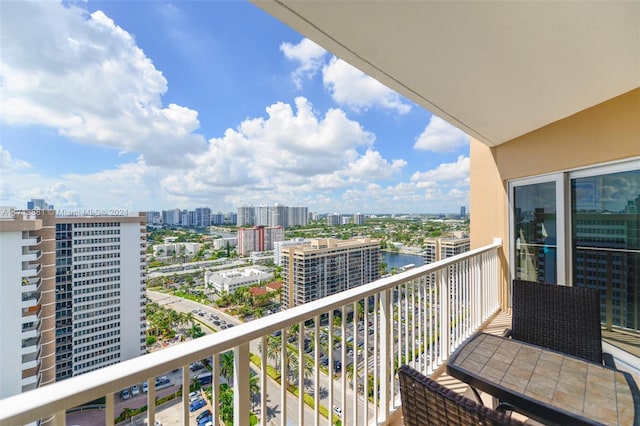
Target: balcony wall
x,y
418,317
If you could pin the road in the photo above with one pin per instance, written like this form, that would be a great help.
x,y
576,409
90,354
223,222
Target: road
x,y
273,388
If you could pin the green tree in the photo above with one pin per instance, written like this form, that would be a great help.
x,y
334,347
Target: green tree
x,y
226,404
274,344
226,366
254,387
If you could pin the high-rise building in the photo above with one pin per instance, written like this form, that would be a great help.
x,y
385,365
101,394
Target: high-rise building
x,y
298,216
171,217
258,238
27,299
463,212
444,247
100,292
272,216
333,219
217,218
38,204
203,217
358,219
72,295
327,266
246,216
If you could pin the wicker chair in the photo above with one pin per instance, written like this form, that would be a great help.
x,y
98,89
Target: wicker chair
x,y
425,402
561,318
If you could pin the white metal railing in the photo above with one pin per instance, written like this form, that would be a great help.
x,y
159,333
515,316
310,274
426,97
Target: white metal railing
x,y
416,317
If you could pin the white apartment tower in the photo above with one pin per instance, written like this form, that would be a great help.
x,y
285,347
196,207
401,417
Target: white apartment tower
x,y
327,266
100,292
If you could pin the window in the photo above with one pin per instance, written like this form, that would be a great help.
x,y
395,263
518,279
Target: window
x,y
582,228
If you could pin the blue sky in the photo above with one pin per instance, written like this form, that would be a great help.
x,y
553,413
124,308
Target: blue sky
x,y
153,105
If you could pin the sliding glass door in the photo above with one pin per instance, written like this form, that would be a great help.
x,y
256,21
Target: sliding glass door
x,y
582,228
605,233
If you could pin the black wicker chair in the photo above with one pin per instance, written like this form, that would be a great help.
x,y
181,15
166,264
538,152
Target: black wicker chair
x,y
425,403
561,318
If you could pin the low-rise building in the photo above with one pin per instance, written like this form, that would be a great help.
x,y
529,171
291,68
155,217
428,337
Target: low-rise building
x,y
231,280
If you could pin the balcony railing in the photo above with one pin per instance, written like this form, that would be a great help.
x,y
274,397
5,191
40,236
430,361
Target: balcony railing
x,y
417,317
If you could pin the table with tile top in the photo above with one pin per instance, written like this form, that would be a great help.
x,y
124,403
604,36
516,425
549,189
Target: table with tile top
x,y
545,385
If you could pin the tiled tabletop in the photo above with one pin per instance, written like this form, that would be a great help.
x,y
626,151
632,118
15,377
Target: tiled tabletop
x,y
547,383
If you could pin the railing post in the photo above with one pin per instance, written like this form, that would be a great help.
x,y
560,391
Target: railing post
x,y
215,386
241,406
386,320
185,394
61,418
109,408
283,377
263,380
151,401
445,314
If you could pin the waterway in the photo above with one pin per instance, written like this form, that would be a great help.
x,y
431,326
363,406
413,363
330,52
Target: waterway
x,y
398,260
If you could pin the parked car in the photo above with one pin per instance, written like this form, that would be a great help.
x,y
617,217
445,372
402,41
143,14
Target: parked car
x,y
135,390
145,387
125,394
206,420
204,414
338,411
194,398
197,404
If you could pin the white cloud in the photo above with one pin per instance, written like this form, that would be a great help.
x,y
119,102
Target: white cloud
x,y
7,162
84,76
291,150
353,88
440,136
458,171
309,55
372,166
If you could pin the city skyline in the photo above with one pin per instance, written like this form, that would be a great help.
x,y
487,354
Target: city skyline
x,y
152,105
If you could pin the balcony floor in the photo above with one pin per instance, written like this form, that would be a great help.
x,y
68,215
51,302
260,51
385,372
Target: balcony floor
x,y
626,341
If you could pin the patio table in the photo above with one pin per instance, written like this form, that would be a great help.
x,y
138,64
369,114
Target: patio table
x,y
545,385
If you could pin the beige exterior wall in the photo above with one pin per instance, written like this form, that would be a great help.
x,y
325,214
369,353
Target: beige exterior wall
x,y
603,133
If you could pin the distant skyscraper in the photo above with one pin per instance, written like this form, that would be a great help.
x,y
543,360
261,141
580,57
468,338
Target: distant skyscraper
x,y
38,204
463,212
358,219
246,216
272,216
327,266
333,219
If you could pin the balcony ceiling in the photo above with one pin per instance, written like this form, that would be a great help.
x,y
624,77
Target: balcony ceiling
x,y
494,69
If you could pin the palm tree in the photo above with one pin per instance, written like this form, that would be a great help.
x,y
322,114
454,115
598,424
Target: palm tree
x,y
274,344
226,366
195,331
226,403
254,387
294,330
351,373
195,383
